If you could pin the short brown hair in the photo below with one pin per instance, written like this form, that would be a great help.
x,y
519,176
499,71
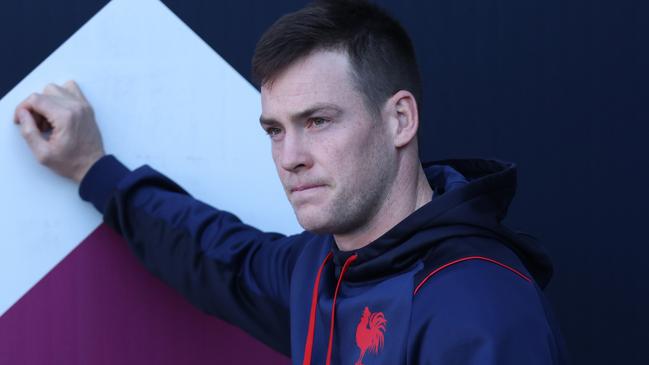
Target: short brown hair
x,y
379,49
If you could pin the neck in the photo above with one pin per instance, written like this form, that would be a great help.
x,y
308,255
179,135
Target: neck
x,y
398,205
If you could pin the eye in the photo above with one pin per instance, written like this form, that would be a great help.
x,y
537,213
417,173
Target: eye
x,y
317,122
273,131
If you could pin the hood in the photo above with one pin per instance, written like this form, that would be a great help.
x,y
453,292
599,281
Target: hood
x,y
471,198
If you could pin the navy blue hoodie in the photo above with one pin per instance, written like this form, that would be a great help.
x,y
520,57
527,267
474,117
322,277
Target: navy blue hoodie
x,y
447,285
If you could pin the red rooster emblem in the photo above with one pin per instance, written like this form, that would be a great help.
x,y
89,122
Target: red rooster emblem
x,y
369,333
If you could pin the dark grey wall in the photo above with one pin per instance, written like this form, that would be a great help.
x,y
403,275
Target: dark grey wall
x,y
560,87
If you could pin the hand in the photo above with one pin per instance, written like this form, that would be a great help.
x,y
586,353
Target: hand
x,y
60,129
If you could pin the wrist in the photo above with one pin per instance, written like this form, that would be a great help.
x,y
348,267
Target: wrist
x,y
88,163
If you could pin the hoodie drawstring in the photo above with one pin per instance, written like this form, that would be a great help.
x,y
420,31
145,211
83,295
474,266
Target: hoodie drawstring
x,y
308,347
333,305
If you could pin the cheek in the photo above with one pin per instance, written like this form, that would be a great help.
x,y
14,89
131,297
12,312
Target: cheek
x,y
331,156
347,162
370,156
276,153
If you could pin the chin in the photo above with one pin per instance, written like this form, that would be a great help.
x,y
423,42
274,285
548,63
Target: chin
x,y
313,221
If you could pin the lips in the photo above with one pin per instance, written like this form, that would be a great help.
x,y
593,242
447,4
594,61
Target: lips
x,y
305,187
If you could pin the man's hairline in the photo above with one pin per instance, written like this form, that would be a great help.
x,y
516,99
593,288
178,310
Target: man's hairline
x,y
370,107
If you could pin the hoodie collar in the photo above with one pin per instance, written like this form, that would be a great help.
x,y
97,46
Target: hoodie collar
x,y
471,196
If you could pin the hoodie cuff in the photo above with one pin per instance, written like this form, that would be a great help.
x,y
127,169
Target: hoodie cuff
x,y
101,180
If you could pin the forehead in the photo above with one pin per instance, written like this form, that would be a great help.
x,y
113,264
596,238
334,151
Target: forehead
x,y
322,77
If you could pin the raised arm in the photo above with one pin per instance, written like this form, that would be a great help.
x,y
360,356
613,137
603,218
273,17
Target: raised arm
x,y
224,267
221,265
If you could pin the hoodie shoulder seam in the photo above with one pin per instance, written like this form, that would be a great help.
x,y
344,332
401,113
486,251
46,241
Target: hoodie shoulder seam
x,y
467,258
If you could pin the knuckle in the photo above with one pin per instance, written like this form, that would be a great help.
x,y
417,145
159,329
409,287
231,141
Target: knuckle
x,y
81,109
67,113
85,109
32,98
73,111
49,88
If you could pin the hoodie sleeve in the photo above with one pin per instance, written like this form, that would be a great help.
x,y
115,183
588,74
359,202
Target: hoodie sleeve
x,y
222,266
476,312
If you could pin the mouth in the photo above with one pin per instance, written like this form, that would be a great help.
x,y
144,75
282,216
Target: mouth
x,y
300,188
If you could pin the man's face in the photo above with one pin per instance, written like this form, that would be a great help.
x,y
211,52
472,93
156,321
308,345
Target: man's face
x,y
335,160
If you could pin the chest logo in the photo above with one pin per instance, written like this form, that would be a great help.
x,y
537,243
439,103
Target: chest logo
x,y
369,333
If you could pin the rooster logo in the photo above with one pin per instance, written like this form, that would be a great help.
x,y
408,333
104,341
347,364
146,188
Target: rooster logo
x,y
369,333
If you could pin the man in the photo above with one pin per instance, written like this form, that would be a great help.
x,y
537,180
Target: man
x,y
399,263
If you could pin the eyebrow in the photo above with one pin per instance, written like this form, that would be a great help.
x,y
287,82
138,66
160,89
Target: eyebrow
x,y
317,108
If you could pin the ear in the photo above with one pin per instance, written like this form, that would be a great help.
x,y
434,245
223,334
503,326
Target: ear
x,y
401,112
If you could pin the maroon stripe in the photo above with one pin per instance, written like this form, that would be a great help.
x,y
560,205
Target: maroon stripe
x,y
99,306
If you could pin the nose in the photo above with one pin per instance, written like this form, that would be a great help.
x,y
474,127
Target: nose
x,y
293,153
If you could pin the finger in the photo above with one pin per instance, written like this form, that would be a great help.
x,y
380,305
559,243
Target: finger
x,y
31,134
41,122
74,88
24,105
41,104
54,89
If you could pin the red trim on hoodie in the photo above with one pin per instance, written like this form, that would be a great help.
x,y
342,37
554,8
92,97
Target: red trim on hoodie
x,y
308,347
466,259
333,306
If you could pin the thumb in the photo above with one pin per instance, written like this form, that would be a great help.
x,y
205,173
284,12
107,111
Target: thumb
x,y
32,134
